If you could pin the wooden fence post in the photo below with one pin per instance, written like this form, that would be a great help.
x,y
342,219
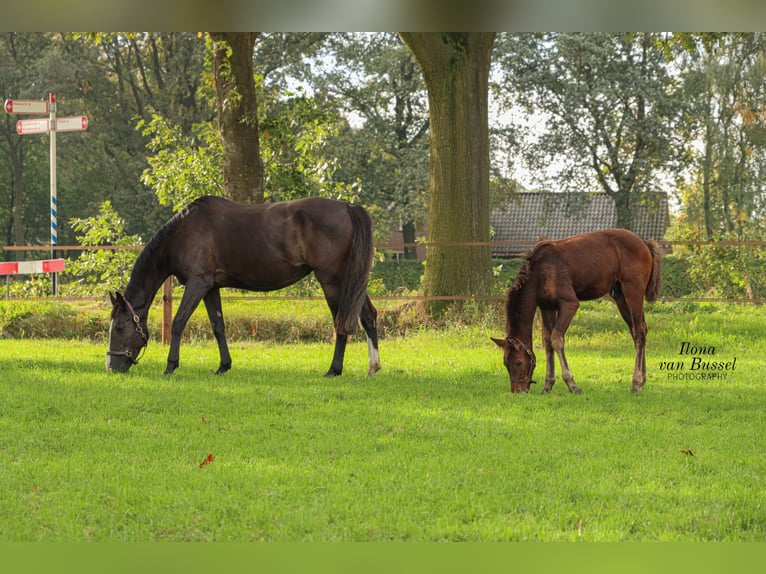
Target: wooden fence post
x,y
167,309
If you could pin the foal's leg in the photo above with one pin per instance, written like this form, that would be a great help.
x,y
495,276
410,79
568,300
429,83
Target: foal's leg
x,y
566,312
549,320
369,318
215,314
630,302
193,293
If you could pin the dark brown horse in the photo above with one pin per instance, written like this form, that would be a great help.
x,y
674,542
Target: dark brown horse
x,y
214,243
556,276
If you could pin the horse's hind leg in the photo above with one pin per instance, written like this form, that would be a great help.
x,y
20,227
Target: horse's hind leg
x,y
632,310
336,367
369,316
331,296
215,314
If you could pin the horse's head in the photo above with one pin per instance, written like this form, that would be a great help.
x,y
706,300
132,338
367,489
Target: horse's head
x,y
520,362
127,336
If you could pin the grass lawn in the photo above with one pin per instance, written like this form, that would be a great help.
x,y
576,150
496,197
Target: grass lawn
x,y
433,448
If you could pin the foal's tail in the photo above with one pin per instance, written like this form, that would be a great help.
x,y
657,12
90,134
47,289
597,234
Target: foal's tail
x,y
655,279
353,289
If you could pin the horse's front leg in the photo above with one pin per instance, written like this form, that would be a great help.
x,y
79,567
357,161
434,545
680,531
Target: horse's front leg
x,y
549,320
191,298
215,314
565,314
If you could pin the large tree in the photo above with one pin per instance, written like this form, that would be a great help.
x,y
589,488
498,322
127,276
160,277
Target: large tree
x,y
237,110
608,104
456,68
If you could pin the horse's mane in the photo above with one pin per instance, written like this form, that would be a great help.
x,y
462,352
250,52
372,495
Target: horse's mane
x,y
147,254
526,269
512,297
523,275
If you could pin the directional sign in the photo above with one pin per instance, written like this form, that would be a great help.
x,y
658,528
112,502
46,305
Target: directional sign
x,y
24,127
26,106
42,126
72,124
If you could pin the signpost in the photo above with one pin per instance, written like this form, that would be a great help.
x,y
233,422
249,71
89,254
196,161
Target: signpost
x,y
49,126
26,106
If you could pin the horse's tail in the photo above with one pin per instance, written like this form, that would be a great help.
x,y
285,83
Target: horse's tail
x,y
353,288
655,279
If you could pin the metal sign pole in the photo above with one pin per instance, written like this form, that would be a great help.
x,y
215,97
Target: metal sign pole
x,y
54,198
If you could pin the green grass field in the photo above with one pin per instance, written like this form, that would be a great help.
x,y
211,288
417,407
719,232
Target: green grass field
x,y
433,448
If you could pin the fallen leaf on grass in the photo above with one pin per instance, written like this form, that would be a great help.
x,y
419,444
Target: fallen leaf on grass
x,y
207,461
687,451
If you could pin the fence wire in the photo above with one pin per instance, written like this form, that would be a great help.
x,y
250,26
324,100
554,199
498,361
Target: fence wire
x,y
523,248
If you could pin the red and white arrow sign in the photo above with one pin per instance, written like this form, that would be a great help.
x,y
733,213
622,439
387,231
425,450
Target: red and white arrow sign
x,y
72,124
42,126
24,127
26,106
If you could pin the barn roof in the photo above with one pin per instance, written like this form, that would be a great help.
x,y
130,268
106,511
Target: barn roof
x,y
532,216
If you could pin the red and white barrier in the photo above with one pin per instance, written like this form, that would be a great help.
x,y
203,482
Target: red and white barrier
x,y
31,267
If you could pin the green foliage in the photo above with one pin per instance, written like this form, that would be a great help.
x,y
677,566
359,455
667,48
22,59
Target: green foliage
x,y
294,133
676,280
398,275
101,270
375,81
183,167
294,136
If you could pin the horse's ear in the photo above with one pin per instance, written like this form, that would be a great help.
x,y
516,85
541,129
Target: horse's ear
x,y
117,298
502,343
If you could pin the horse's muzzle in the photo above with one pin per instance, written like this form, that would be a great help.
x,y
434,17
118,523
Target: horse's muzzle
x,y
522,386
119,362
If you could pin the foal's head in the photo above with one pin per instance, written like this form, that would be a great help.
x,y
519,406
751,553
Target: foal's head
x,y
520,361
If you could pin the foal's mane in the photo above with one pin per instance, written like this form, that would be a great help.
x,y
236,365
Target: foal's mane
x,y
526,269
513,297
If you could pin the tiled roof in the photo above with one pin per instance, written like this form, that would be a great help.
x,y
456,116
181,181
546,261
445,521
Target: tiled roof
x,y
531,217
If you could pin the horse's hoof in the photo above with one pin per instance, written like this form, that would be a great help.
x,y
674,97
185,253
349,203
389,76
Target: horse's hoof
x,y
222,369
333,373
576,390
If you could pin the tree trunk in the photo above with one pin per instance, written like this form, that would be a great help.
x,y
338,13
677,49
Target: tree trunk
x,y
409,236
456,71
237,110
